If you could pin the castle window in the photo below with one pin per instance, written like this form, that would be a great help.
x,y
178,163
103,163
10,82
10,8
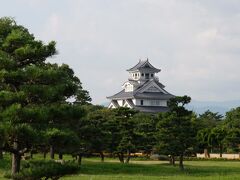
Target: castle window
x,y
142,74
141,102
147,76
151,75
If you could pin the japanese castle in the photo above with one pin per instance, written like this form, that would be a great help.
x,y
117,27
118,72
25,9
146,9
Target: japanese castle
x,y
142,91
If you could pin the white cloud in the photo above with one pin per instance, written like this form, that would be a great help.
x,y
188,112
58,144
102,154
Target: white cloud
x,y
53,27
195,43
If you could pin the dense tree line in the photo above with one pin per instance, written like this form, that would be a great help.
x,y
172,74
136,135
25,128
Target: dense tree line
x,y
37,116
177,133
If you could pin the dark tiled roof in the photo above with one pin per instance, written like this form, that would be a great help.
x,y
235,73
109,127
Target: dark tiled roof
x,y
141,65
159,84
137,66
145,95
148,82
122,95
151,109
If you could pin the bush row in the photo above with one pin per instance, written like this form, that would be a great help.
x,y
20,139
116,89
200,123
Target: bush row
x,y
35,170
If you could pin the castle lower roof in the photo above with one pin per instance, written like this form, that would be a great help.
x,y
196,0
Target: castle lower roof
x,y
122,95
151,109
142,95
145,95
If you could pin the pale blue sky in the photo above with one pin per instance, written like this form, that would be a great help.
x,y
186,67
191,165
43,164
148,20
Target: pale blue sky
x,y
196,43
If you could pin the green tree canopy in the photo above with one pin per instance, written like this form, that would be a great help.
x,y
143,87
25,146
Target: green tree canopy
x,y
31,90
176,132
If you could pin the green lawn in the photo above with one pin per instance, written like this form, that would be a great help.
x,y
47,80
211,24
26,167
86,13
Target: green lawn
x,y
146,170
93,169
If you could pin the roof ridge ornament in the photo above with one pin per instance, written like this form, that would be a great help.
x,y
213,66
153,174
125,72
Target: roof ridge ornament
x,y
141,64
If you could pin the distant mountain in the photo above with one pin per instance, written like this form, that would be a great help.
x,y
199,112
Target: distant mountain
x,y
201,106
221,107
105,104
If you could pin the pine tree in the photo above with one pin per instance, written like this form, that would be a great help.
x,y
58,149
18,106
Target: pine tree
x,y
176,132
31,90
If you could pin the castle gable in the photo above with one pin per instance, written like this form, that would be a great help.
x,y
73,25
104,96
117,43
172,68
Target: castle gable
x,y
152,86
152,89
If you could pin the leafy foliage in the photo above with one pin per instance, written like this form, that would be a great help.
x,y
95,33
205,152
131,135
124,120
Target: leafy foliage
x,y
44,169
176,133
34,94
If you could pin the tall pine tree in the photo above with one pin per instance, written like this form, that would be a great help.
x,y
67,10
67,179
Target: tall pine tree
x,y
30,89
176,132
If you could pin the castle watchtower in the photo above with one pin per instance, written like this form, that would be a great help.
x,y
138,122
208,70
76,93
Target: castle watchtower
x,y
143,71
142,91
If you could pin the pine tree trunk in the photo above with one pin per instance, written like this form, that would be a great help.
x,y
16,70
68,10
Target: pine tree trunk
x,y
181,162
206,153
44,154
121,157
31,154
1,154
102,156
79,158
51,152
172,160
60,156
221,151
16,159
128,156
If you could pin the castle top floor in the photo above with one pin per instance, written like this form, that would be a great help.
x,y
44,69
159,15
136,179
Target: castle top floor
x,y
143,71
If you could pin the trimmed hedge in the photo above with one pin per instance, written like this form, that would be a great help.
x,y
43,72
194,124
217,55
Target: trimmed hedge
x,y
35,170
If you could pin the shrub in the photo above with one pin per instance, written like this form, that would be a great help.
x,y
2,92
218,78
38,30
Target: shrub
x,y
159,157
35,170
163,158
141,158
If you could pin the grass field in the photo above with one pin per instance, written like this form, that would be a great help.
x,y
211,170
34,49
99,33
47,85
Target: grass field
x,y
111,169
147,170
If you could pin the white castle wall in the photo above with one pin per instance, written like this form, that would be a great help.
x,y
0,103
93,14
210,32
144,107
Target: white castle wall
x,y
214,155
149,102
120,102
